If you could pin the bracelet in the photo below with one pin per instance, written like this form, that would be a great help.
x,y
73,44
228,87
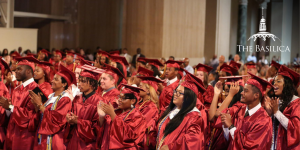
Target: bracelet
x,y
40,106
232,126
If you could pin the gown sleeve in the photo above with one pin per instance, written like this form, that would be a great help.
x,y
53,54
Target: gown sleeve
x,y
86,128
54,120
293,129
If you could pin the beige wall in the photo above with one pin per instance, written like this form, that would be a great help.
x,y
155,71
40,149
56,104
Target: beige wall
x,y
15,37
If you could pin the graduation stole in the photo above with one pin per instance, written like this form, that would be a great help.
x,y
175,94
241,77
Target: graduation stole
x,y
53,107
158,144
128,114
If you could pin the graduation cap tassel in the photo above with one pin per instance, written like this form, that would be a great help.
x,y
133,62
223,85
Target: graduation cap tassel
x,y
195,71
163,75
74,64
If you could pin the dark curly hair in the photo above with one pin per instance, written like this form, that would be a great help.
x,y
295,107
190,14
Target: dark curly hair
x,y
92,82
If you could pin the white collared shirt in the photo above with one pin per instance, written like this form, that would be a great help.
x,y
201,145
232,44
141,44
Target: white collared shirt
x,y
232,130
27,82
169,82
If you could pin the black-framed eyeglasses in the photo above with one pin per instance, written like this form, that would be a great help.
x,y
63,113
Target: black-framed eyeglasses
x,y
177,93
122,98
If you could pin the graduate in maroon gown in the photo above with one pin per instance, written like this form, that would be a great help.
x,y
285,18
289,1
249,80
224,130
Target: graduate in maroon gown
x,y
82,121
170,73
5,93
11,82
216,139
141,62
101,59
125,128
202,71
148,106
52,114
70,64
42,77
56,63
43,55
21,127
180,126
154,65
108,81
248,127
122,61
286,117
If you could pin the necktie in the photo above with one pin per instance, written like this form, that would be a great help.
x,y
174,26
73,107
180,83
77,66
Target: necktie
x,y
247,114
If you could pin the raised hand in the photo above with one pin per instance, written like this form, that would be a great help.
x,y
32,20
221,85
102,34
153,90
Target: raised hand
x,y
274,104
267,105
226,119
218,88
101,113
234,88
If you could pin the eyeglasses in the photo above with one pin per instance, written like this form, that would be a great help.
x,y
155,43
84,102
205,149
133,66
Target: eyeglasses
x,y
122,98
177,93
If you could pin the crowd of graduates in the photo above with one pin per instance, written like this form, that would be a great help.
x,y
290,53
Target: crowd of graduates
x,y
68,102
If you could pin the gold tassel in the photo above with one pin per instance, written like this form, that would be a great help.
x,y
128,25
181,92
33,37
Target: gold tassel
x,y
163,75
195,71
74,66
38,58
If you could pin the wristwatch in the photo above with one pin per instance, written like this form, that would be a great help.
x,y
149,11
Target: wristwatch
x,y
232,126
10,107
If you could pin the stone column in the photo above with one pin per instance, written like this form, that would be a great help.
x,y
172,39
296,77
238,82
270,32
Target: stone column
x,y
242,27
287,15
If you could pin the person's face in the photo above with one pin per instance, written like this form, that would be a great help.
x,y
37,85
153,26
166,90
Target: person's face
x,y
77,73
211,77
226,89
252,70
221,59
5,51
138,51
124,51
57,58
125,103
77,61
83,85
144,87
132,70
20,49
236,58
42,56
106,81
102,60
186,63
272,71
200,75
69,59
178,96
278,85
13,66
149,67
20,72
162,61
7,59
38,73
222,74
247,95
171,73
81,51
171,58
139,64
56,82
114,64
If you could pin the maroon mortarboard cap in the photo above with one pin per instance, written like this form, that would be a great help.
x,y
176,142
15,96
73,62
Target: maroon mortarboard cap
x,y
202,67
152,81
15,54
47,53
91,72
250,65
230,79
78,56
142,59
4,66
114,53
31,55
296,66
144,72
119,59
285,71
193,83
45,67
271,81
235,65
69,53
83,62
275,64
102,53
260,83
227,68
67,74
173,63
131,90
114,72
58,52
154,62
29,61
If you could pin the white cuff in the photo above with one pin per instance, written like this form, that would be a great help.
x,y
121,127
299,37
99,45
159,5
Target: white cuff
x,y
232,130
226,133
282,119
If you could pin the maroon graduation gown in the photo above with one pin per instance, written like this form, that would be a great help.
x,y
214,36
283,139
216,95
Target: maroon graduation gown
x,y
208,96
187,135
290,139
111,96
125,132
83,134
46,88
166,96
22,126
150,112
53,123
252,132
3,117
